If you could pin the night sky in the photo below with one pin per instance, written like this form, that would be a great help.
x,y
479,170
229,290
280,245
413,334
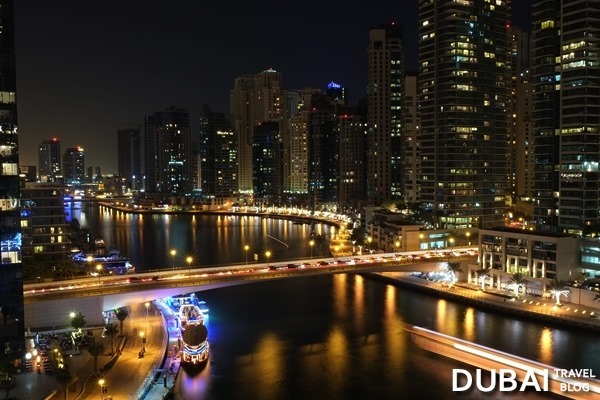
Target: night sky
x,y
88,68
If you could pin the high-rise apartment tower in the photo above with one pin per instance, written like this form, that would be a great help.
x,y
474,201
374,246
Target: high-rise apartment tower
x,y
464,84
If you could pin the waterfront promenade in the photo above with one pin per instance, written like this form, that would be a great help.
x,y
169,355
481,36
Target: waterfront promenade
x,y
131,377
526,306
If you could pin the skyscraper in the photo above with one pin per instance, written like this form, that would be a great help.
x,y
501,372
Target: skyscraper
x,y
546,116
267,162
12,334
410,150
566,72
218,155
579,180
353,158
254,100
129,149
464,84
74,166
49,160
168,152
385,101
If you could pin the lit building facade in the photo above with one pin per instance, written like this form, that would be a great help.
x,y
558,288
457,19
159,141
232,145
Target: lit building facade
x,y
44,226
567,115
74,166
12,334
218,155
267,163
385,100
253,100
546,116
168,152
49,160
579,180
464,84
352,128
410,158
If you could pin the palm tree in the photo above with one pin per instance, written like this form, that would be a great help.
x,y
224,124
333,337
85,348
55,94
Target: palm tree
x,y
66,269
558,288
482,273
95,349
122,314
517,280
111,330
64,377
78,321
36,271
454,267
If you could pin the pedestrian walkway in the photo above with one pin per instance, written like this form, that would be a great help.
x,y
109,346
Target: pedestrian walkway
x,y
542,309
144,364
165,377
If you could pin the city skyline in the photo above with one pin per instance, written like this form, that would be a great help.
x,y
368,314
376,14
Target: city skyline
x,y
120,67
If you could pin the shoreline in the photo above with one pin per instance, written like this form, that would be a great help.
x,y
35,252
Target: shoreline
x,y
518,309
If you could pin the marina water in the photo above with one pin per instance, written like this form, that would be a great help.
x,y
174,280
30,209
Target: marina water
x,y
329,337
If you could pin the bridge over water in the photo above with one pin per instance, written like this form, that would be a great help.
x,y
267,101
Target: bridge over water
x,y
48,305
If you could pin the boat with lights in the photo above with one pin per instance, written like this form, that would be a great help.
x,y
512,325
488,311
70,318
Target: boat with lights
x,y
194,334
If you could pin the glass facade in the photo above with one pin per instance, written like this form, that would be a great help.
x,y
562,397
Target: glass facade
x,y
11,276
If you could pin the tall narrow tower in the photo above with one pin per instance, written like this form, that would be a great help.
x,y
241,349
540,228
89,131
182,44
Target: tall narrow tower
x,y
12,335
129,157
579,180
464,77
385,98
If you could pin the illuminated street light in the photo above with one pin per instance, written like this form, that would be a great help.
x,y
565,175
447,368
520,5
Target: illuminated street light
x,y
311,243
147,304
99,270
369,240
451,241
397,245
189,261
468,235
246,247
89,260
268,255
103,387
173,253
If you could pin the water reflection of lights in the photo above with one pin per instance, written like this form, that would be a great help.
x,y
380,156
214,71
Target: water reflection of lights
x,y
192,384
470,324
546,346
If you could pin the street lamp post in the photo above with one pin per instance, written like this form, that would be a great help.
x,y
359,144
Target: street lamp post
x,y
397,245
147,304
468,234
173,253
89,260
311,243
103,387
99,270
189,261
369,240
246,247
268,255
